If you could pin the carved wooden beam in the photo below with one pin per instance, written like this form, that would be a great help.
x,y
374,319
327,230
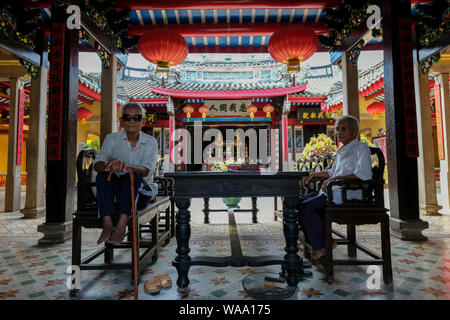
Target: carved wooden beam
x,y
95,32
351,41
435,47
19,50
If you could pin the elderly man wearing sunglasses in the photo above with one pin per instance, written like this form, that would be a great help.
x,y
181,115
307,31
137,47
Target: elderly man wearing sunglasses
x,y
130,148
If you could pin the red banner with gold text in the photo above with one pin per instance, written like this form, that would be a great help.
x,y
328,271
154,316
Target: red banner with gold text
x,y
20,127
55,101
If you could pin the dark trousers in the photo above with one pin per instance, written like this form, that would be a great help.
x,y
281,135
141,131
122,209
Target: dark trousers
x,y
118,186
313,226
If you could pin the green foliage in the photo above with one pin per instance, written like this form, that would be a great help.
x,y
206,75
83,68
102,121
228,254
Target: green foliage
x,y
319,146
219,166
364,139
95,144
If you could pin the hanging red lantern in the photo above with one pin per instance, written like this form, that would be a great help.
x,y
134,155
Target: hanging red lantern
x,y
252,109
203,110
268,108
292,45
4,107
83,114
163,47
188,109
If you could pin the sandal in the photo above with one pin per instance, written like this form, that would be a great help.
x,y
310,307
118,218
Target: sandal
x,y
164,279
152,286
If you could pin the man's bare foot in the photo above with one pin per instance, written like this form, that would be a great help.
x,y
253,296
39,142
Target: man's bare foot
x,y
119,232
316,254
107,230
117,236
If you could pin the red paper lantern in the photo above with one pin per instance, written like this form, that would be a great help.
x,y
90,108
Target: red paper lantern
x,y
203,110
163,47
252,109
4,107
188,109
292,45
83,114
268,108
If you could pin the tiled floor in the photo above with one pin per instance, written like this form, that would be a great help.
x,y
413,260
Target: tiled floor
x,y
27,271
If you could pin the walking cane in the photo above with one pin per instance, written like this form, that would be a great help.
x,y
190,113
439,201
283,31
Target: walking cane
x,y
134,240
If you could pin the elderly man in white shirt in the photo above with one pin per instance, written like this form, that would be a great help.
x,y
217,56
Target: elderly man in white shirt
x,y
353,161
133,149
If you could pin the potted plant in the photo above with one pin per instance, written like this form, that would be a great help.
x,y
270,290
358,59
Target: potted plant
x,y
319,146
219,166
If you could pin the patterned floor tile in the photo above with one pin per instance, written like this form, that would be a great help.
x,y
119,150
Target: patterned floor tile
x,y
421,269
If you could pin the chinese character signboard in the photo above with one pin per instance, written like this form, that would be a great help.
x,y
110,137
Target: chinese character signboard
x,y
409,105
55,101
151,117
313,115
439,127
20,127
227,107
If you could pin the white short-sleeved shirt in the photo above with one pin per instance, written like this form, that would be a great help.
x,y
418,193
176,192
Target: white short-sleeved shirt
x,y
353,158
117,146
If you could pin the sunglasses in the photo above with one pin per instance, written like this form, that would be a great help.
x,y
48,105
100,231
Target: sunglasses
x,y
127,117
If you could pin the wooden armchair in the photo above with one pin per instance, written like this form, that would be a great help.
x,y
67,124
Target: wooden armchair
x,y
369,210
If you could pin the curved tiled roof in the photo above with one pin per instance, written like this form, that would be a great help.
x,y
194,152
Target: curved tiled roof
x,y
138,89
88,81
365,80
230,86
370,76
317,85
238,93
92,83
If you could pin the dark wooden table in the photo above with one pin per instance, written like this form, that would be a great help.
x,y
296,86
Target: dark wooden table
x,y
238,184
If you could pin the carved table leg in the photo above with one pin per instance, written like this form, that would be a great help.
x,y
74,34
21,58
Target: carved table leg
x,y
293,263
183,233
206,209
254,210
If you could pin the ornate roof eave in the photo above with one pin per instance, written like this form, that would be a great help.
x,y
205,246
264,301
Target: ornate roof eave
x,y
228,94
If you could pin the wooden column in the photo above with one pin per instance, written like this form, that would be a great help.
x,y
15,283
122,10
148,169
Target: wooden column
x,y
427,181
350,87
171,113
284,143
108,120
401,121
62,130
284,136
442,81
35,200
13,178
